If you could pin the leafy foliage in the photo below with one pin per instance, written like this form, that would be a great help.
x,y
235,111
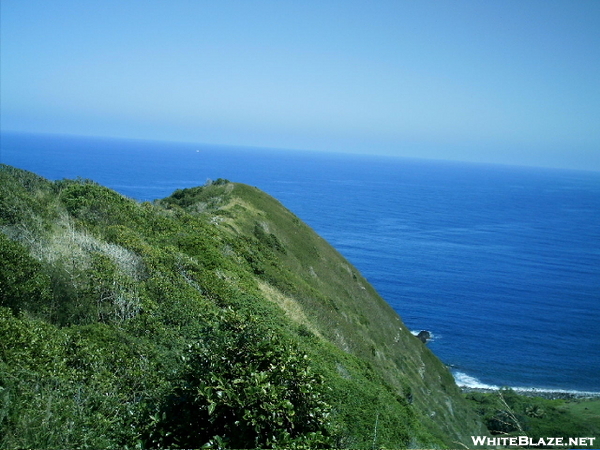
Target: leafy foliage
x,y
243,387
23,284
93,203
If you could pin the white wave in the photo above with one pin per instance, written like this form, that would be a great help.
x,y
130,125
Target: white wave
x,y
464,380
556,391
467,381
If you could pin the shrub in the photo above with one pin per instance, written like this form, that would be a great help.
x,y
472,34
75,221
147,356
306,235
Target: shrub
x,y
23,284
95,204
245,388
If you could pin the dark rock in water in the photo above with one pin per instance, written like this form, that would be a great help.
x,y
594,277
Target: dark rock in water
x,y
424,336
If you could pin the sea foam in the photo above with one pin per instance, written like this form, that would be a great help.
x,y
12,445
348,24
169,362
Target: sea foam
x,y
469,382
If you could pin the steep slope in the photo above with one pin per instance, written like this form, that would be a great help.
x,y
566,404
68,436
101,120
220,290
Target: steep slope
x,y
214,316
319,288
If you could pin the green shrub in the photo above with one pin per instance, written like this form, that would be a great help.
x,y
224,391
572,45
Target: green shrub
x,y
23,283
95,204
245,388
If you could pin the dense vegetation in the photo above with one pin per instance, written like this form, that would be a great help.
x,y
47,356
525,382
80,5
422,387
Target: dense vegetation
x,y
212,317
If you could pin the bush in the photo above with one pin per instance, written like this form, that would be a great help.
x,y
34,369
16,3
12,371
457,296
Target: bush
x,y
23,284
245,388
95,204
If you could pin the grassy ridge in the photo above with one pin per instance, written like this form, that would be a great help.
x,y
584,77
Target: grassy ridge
x,y
347,311
214,316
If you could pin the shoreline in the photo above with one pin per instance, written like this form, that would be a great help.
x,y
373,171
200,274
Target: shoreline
x,y
548,394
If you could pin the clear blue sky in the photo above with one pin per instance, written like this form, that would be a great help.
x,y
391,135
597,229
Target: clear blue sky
x,y
497,81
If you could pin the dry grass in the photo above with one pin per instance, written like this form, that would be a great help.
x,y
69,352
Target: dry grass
x,y
67,244
291,307
72,249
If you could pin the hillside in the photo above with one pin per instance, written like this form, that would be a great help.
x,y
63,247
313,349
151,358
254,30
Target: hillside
x,y
214,316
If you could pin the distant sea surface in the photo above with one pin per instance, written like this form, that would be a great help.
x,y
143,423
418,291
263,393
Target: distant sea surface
x,y
501,264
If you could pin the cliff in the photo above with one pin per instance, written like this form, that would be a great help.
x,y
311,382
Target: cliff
x,y
214,316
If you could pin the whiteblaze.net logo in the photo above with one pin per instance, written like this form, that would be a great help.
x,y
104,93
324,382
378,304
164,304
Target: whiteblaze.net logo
x,y
524,441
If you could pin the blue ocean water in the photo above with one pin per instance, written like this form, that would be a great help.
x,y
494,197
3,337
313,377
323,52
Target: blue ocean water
x,y
501,264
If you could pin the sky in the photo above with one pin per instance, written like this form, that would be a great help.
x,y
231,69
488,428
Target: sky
x,y
512,82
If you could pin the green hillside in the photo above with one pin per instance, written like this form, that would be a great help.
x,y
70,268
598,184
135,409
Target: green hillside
x,y
212,317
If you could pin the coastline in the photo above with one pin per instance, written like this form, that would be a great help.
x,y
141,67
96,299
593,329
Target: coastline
x,y
548,394
468,383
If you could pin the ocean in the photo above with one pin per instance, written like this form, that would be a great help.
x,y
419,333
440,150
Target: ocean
x,y
501,264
